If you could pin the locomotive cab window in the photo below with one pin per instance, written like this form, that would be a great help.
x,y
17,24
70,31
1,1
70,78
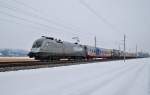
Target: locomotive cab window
x,y
37,44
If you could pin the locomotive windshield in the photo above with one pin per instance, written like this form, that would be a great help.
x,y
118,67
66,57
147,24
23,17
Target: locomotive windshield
x,y
37,44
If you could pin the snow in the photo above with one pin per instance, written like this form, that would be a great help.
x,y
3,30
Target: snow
x,y
104,78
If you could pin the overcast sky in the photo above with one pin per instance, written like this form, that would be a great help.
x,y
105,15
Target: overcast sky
x,y
23,21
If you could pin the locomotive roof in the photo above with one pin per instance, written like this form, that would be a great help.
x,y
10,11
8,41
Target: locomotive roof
x,y
57,40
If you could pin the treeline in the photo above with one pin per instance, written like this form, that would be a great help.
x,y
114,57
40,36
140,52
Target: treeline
x,y
13,52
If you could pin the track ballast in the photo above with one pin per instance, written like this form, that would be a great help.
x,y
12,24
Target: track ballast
x,y
13,66
22,65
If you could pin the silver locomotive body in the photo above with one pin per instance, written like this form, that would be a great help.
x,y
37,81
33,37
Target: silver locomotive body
x,y
49,49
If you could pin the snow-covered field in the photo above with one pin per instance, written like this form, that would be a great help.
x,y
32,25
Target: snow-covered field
x,y
104,78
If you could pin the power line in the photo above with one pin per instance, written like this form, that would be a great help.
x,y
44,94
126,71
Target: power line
x,y
98,15
20,18
36,16
37,28
33,22
48,20
43,18
14,9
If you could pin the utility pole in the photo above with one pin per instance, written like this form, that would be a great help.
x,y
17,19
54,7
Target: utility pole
x,y
119,48
95,41
136,49
124,47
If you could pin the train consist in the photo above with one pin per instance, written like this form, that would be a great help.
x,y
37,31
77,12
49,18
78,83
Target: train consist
x,y
48,48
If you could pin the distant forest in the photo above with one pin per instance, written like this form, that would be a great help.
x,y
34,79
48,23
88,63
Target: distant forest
x,y
13,53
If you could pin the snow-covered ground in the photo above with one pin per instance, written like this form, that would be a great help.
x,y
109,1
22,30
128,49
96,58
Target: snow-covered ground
x,y
104,78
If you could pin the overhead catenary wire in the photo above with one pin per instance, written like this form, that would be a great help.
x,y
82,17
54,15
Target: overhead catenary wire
x,y
99,16
43,18
77,31
36,16
16,10
103,19
31,21
31,26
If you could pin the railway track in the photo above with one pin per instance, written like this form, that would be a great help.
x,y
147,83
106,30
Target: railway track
x,y
22,65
